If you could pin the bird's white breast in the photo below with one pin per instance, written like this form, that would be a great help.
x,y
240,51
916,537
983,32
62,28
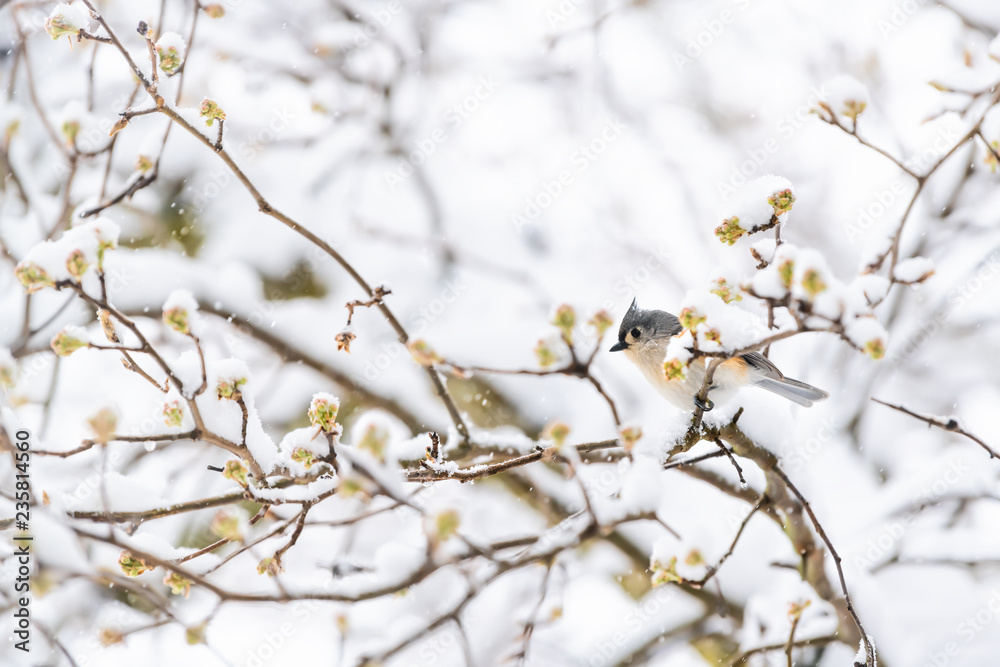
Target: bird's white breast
x,y
681,392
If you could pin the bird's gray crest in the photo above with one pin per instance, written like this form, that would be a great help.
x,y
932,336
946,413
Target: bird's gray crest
x,y
654,323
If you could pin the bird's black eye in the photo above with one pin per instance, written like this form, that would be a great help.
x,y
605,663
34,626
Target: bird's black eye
x,y
635,333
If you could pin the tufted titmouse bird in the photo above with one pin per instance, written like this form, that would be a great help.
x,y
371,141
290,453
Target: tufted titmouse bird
x,y
644,335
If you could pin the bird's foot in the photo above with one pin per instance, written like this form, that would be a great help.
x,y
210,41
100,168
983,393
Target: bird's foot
x,y
705,405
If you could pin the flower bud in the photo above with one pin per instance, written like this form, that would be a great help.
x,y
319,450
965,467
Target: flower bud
x,y
33,277
846,96
271,566
601,321
211,111
853,108
173,414
8,369
133,566
795,609
812,282
119,125
557,432
195,635
725,291
786,270
103,424
344,339
236,470
7,377
66,20
781,201
375,440
729,231
546,357
107,238
229,388
177,584
446,525
180,310
77,264
323,412
10,128
629,435
143,163
423,353
65,343
991,156
226,524
177,319
110,636
70,129
690,318
350,487
304,456
875,348
665,573
674,369
170,49
565,320
107,326
694,558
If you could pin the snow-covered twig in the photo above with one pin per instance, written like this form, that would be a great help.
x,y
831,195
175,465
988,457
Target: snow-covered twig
x,y
869,649
950,425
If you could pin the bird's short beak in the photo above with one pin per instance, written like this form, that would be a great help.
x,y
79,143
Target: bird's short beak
x,y
618,347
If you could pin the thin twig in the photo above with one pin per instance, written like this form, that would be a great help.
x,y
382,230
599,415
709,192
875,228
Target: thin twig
x,y
732,459
791,638
869,649
529,626
950,425
713,570
741,659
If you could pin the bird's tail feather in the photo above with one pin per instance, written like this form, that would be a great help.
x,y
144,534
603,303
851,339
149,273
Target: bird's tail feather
x,y
795,391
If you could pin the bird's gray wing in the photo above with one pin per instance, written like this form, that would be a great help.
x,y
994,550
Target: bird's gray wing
x,y
763,364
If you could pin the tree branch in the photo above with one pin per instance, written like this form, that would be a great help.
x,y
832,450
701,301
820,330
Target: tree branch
x,y
950,425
